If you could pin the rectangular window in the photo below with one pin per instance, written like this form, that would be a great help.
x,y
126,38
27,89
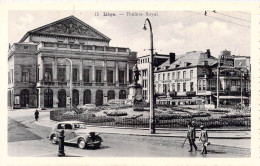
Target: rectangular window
x,y
204,84
178,76
173,75
86,75
191,74
184,74
178,87
168,76
61,74
12,75
110,76
75,75
9,77
130,76
164,88
191,87
37,74
121,77
184,87
98,76
163,76
25,75
159,77
48,74
199,82
173,87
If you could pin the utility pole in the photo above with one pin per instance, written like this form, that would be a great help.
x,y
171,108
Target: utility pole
x,y
151,83
71,69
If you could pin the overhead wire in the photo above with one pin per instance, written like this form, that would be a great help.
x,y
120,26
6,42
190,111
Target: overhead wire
x,y
230,16
219,19
244,12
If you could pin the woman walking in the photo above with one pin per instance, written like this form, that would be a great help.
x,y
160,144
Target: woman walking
x,y
204,139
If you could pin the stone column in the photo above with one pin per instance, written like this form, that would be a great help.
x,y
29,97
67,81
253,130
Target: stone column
x,y
68,74
93,72
41,69
127,74
117,74
105,72
81,71
55,99
81,94
54,69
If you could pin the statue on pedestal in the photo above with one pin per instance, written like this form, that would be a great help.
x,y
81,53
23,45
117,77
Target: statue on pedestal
x,y
136,74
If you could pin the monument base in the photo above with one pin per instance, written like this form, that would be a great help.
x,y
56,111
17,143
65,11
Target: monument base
x,y
135,94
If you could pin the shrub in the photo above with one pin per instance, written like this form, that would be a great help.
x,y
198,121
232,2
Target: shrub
x,y
200,114
116,113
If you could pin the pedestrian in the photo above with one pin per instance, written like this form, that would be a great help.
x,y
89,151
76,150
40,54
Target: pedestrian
x,y
36,115
191,136
204,139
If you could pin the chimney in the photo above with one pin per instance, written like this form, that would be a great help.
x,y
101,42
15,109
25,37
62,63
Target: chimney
x,y
172,57
208,53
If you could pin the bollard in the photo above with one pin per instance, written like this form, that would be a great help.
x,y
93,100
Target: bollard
x,y
61,144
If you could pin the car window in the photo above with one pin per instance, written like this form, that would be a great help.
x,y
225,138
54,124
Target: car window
x,y
79,126
68,126
60,126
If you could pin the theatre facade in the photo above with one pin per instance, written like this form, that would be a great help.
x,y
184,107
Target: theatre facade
x,y
39,67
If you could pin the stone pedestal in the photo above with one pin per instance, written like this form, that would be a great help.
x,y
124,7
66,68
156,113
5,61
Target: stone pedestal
x,y
135,93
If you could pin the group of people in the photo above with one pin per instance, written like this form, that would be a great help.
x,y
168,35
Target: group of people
x,y
191,136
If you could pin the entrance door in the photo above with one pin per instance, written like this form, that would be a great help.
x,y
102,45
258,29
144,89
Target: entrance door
x,y
99,97
25,98
87,97
110,95
62,98
122,94
75,97
48,98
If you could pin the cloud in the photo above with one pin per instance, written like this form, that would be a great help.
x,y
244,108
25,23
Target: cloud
x,y
25,21
98,23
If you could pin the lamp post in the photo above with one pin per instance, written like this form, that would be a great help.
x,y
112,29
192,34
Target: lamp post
x,y
70,80
152,119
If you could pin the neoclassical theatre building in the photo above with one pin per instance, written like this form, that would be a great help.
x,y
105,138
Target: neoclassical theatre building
x,y
39,77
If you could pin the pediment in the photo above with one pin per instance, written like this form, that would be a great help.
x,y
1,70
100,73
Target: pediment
x,y
70,26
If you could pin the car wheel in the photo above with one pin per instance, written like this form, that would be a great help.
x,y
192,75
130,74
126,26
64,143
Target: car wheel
x,y
54,139
81,143
97,146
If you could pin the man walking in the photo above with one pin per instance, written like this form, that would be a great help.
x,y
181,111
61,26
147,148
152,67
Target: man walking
x,y
191,135
36,115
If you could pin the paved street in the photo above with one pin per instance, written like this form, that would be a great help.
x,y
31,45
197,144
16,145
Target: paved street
x,y
27,138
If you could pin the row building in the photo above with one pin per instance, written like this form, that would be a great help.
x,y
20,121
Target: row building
x,y
191,79
40,65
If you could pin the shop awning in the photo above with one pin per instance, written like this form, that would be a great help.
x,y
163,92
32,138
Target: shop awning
x,y
232,97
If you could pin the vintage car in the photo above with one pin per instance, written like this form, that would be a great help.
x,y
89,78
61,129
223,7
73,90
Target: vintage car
x,y
75,132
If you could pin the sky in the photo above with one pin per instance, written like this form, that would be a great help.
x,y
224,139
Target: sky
x,y
173,31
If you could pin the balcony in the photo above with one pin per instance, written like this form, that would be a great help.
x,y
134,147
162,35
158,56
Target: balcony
x,y
111,84
122,84
46,83
84,48
62,83
191,93
99,84
76,83
87,83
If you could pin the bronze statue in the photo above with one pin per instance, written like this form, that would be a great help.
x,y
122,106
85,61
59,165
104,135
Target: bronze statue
x,y
136,74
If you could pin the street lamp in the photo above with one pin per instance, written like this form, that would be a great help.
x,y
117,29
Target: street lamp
x,y
70,80
152,120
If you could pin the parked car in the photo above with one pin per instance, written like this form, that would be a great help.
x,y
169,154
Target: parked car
x,y
75,132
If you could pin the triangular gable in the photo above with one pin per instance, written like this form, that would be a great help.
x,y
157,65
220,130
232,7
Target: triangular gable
x,y
71,27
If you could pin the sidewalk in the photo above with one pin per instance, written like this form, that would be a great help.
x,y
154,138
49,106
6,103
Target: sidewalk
x,y
213,134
